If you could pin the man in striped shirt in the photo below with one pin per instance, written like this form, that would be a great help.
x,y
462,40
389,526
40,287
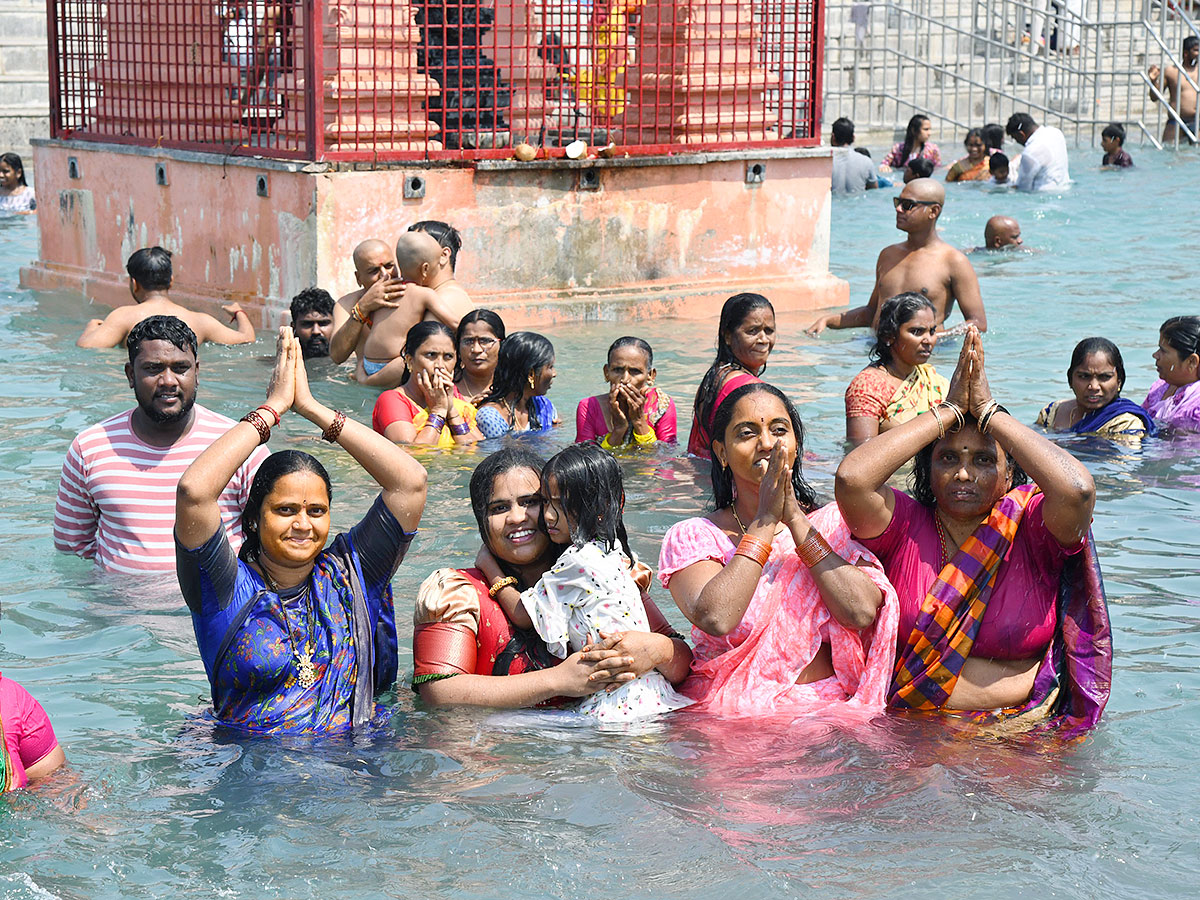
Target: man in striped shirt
x,y
116,498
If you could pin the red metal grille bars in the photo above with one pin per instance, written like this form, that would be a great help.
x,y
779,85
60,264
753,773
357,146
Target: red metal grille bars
x,y
370,80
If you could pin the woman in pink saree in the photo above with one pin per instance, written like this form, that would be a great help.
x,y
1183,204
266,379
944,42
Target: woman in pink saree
x,y
790,614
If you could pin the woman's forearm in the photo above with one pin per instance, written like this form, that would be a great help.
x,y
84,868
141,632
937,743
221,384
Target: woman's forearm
x,y
197,514
678,664
508,692
1068,486
401,477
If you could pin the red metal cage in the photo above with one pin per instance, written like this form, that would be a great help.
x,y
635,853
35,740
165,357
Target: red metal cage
x,y
394,80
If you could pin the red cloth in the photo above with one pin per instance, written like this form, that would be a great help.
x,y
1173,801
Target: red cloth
x,y
700,440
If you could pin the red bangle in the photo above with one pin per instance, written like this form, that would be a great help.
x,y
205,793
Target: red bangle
x,y
754,549
813,549
278,418
335,427
260,425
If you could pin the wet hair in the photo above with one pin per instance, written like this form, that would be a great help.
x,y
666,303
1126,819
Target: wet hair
x,y
1115,130
489,318
1182,334
629,341
160,328
313,299
722,477
920,480
993,135
274,467
1087,347
521,353
418,335
997,161
911,133
151,268
591,494
843,131
733,313
920,167
864,151
483,481
14,163
1019,122
447,237
894,312
1191,42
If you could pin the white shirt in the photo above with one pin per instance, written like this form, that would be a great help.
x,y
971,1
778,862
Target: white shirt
x,y
1044,161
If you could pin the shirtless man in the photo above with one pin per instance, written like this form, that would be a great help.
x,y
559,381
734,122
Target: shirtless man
x,y
923,263
149,281
1001,233
378,288
418,257
1179,89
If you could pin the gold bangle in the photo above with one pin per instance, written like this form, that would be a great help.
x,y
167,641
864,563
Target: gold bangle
x,y
500,584
813,549
754,549
959,418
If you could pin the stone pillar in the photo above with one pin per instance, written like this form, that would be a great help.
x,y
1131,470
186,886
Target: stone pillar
x,y
698,75
374,95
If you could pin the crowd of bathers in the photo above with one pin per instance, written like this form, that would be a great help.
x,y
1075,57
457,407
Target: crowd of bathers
x,y
949,597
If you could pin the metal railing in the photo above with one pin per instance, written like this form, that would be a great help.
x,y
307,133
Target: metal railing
x,y
968,62
380,80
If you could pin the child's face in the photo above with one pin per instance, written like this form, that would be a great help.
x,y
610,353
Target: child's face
x,y
558,525
1110,144
628,365
1001,175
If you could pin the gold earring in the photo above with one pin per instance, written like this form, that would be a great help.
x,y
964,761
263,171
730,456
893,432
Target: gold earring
x,y
532,384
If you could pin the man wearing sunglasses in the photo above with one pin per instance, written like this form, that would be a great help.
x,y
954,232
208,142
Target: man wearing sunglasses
x,y
922,263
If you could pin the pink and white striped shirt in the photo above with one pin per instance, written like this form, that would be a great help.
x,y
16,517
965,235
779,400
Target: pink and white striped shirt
x,y
116,498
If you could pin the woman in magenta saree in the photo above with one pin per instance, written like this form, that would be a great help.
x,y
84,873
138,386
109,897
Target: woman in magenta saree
x,y
1002,608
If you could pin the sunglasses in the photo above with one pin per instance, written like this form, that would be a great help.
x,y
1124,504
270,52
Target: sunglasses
x,y
907,204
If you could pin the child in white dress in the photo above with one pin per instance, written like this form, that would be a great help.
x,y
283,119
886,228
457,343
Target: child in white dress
x,y
590,589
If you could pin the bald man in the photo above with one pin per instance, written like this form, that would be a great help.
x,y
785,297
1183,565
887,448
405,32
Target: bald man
x,y
418,256
378,288
1001,233
922,263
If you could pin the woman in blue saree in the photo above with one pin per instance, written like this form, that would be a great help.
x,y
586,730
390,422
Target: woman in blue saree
x,y
296,637
1096,376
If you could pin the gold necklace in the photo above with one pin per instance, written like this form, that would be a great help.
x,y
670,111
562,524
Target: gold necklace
x,y
737,518
942,542
306,671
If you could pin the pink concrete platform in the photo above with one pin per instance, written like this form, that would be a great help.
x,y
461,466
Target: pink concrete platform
x,y
547,241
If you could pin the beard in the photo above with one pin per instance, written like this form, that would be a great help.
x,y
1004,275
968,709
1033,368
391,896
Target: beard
x,y
316,345
159,417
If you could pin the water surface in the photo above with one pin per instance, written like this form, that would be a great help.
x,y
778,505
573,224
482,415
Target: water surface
x,y
466,804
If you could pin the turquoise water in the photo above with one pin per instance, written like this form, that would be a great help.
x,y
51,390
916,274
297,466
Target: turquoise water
x,y
464,804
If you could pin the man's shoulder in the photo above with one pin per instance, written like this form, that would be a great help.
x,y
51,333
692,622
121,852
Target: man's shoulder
x,y
347,301
114,425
